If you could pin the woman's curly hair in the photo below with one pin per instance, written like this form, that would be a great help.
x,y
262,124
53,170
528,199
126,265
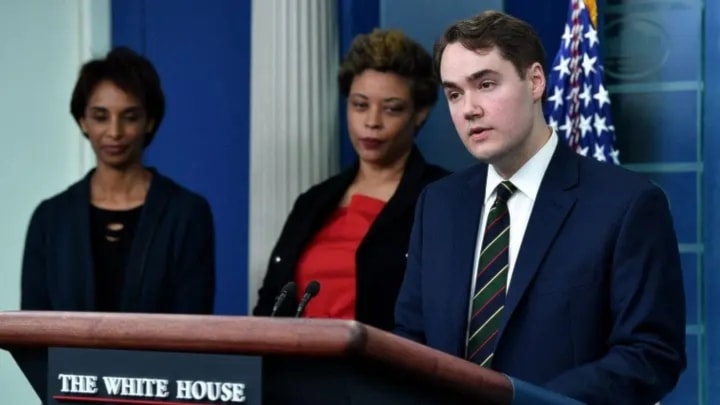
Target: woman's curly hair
x,y
391,51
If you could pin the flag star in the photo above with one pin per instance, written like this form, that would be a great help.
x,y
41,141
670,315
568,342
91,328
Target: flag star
x,y
599,153
591,36
563,67
556,97
588,64
566,127
602,96
585,125
553,124
567,36
585,96
615,155
582,151
600,125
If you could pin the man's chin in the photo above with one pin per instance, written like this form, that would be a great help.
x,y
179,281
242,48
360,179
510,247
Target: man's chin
x,y
484,154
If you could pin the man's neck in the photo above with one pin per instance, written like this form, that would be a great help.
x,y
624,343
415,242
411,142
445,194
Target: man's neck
x,y
539,136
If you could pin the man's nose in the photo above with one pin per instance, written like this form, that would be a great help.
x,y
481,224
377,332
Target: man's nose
x,y
472,109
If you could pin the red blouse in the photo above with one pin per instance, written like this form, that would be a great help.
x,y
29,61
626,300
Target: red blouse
x,y
329,258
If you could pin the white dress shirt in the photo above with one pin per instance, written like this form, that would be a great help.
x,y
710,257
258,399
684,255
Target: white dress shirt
x,y
520,205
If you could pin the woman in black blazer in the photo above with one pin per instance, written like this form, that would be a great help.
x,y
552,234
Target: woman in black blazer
x,y
350,233
125,238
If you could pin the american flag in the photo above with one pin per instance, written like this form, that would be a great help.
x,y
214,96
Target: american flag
x,y
578,103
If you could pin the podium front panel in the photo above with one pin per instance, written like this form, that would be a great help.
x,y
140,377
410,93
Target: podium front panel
x,y
94,376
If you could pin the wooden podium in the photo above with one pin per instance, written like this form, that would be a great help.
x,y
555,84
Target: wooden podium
x,y
279,361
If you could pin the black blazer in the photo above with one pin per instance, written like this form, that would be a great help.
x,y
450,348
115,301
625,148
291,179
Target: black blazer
x,y
380,258
170,267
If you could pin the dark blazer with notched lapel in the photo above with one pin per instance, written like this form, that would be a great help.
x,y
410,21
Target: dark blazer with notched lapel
x,y
381,256
170,267
171,264
595,308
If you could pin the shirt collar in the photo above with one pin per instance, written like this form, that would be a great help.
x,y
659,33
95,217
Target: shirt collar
x,y
528,178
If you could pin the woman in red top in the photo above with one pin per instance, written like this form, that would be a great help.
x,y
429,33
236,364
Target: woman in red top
x,y
350,233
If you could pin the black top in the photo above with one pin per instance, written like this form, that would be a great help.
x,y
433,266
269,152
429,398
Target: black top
x,y
112,234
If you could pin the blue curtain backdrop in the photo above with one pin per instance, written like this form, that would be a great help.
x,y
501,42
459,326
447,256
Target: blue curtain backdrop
x,y
202,52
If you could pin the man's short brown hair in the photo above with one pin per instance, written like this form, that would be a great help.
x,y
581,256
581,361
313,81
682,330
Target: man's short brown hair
x,y
516,40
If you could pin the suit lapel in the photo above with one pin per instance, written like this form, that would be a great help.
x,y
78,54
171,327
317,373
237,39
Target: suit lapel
x,y
465,221
153,213
553,204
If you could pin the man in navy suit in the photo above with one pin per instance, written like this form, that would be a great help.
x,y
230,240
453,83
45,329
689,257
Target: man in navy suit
x,y
539,263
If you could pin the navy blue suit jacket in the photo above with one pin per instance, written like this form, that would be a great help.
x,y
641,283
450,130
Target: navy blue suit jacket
x,y
595,309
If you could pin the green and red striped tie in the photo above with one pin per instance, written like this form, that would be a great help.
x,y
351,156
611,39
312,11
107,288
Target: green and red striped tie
x,y
488,298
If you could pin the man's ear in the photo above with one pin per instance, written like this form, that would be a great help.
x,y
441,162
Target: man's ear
x,y
536,77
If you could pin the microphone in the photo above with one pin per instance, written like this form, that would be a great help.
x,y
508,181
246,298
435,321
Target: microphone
x,y
313,287
288,289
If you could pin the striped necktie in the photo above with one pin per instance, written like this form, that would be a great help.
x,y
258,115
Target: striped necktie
x,y
488,298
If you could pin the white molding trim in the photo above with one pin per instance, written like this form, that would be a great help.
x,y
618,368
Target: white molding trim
x,y
293,115
94,42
